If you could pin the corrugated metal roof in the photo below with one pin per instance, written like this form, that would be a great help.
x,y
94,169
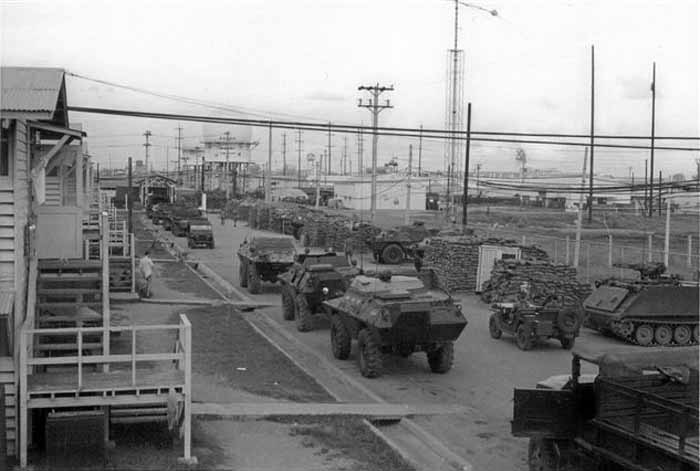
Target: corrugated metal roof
x,y
30,88
7,301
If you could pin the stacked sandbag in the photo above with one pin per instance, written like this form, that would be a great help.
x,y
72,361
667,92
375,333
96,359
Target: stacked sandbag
x,y
546,280
455,259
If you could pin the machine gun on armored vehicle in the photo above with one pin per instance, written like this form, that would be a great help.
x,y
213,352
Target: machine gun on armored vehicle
x,y
657,309
638,413
314,278
394,314
263,257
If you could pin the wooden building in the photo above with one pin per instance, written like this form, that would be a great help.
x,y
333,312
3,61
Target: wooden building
x,y
53,285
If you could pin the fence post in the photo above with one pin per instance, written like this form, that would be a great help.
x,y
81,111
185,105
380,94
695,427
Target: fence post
x,y
690,251
650,256
568,251
610,250
588,262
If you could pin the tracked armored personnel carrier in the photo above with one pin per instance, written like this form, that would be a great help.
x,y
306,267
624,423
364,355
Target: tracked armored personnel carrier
x,y
263,257
395,314
655,310
314,278
638,412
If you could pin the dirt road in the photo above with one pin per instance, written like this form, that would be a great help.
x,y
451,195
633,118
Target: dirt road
x,y
483,378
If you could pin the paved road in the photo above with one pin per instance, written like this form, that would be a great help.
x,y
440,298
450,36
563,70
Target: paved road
x,y
482,380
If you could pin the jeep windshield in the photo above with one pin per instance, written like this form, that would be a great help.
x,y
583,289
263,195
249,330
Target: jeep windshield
x,y
200,228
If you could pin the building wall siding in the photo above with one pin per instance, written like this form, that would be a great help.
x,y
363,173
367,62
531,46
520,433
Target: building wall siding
x,y
22,194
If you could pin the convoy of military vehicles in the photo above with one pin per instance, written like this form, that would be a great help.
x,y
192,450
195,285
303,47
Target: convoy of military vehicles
x,y
639,412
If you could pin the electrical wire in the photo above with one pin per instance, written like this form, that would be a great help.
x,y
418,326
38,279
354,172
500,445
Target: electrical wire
x,y
410,132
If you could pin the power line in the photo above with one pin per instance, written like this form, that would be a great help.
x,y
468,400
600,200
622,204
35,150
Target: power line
x,y
410,132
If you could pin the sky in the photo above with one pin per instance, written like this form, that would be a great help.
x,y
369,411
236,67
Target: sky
x,y
526,70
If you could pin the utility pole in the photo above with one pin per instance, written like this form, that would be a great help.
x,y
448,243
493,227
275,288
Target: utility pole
x,y
375,108
465,193
653,120
318,182
420,149
284,154
179,154
226,170
360,143
590,182
328,168
299,145
660,181
268,180
646,190
148,170
579,219
407,213
478,188
201,176
345,155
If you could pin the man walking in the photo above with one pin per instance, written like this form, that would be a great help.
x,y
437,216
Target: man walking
x,y
146,269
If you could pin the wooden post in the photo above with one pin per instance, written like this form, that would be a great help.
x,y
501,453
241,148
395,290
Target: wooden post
x,y
588,262
105,289
650,256
568,251
610,250
667,238
132,255
23,378
188,388
690,251
80,358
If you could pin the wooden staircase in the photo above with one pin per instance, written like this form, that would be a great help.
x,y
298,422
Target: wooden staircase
x,y
69,294
8,417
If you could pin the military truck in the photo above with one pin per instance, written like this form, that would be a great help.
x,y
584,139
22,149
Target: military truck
x,y
394,314
313,278
656,309
181,220
200,234
263,257
638,412
395,245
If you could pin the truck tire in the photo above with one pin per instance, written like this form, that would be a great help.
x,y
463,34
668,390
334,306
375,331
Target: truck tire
x,y
340,338
441,359
392,254
287,304
568,320
304,316
369,353
523,337
494,329
242,274
541,455
254,281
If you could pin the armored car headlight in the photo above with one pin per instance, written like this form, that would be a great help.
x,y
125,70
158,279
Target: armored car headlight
x,y
324,290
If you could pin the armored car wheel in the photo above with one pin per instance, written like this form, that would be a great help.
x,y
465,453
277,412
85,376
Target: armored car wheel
x,y
392,254
242,274
441,359
287,304
494,329
304,316
254,281
523,337
369,353
340,339
682,334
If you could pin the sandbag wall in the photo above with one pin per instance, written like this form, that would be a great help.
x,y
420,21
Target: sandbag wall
x,y
545,279
455,260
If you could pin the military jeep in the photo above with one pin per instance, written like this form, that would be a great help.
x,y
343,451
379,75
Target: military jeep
x,y
263,257
315,277
395,245
200,234
394,314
